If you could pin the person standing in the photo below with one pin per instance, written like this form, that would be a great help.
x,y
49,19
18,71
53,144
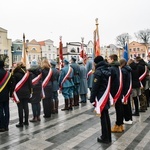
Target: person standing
x,y
55,86
47,89
89,68
116,92
126,91
136,91
22,90
100,91
35,100
5,86
66,84
76,80
83,82
142,69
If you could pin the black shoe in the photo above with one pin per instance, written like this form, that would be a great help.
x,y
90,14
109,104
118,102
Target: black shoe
x,y
46,116
2,130
141,110
103,141
26,123
19,125
6,129
135,114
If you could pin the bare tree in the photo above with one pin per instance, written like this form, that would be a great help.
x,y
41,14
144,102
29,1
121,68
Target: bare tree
x,y
122,39
143,36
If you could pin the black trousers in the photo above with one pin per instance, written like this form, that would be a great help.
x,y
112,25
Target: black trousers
x,y
119,112
47,106
127,111
106,126
36,109
23,110
4,114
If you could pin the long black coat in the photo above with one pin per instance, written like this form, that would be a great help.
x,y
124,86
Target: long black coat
x,y
55,78
26,89
4,94
135,75
101,76
37,88
48,89
126,73
114,78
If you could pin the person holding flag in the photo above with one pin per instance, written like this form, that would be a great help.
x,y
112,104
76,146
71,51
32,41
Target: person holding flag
x,y
100,97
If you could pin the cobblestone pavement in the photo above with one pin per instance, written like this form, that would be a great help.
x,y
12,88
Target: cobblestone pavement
x,y
74,130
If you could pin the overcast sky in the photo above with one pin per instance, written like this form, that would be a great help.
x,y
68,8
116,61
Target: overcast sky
x,y
73,19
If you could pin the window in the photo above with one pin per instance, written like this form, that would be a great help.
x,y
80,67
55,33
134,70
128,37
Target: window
x,y
18,48
138,49
131,55
29,57
130,50
73,50
139,55
49,48
143,55
49,56
6,52
53,56
134,49
34,49
33,56
78,49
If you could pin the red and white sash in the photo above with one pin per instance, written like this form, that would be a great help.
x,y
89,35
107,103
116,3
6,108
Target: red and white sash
x,y
45,82
100,104
126,97
143,76
4,81
36,79
114,99
19,85
89,73
66,76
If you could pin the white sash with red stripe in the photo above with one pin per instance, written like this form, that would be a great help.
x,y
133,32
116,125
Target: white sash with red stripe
x,y
126,97
114,99
36,79
89,73
143,76
19,85
45,82
66,76
103,100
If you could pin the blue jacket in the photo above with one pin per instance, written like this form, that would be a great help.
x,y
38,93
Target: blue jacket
x,y
69,81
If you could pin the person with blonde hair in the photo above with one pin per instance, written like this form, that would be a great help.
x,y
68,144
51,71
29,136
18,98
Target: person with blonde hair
x,y
47,74
22,90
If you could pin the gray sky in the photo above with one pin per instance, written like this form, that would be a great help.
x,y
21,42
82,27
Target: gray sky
x,y
73,19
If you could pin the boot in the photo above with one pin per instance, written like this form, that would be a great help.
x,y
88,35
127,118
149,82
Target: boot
x,y
34,119
56,106
38,118
66,105
77,100
122,127
70,107
117,129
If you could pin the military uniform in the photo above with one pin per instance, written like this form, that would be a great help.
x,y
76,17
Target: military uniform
x,y
55,87
76,80
66,84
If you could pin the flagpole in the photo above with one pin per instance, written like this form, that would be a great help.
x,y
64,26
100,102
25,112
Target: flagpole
x,y
96,20
24,52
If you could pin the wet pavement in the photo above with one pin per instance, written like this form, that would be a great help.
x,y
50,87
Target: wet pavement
x,y
74,130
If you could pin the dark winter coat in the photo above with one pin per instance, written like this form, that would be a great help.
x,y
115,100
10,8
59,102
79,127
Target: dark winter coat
x,y
26,89
37,88
48,89
101,76
141,68
4,94
126,74
114,78
135,75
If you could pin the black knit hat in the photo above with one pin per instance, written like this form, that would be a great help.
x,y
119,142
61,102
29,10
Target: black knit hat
x,y
98,59
1,63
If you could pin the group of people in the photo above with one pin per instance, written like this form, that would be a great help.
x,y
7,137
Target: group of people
x,y
40,84
122,84
112,82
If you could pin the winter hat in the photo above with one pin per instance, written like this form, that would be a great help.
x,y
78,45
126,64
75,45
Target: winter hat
x,y
73,58
34,63
98,59
1,63
66,61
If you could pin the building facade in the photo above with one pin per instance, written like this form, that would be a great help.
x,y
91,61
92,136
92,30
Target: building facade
x,y
5,47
